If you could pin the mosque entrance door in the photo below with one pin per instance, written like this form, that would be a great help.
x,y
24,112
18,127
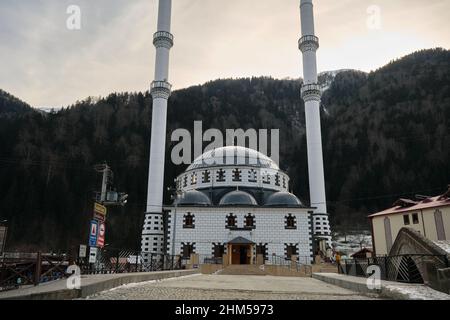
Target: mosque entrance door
x,y
240,251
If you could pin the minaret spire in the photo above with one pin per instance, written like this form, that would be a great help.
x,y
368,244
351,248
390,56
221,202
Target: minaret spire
x,y
311,94
153,231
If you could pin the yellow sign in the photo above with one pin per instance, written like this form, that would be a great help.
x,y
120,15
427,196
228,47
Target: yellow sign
x,y
99,209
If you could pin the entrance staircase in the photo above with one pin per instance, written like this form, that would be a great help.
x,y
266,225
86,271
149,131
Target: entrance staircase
x,y
242,269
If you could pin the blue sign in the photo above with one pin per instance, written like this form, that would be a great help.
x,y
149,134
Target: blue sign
x,y
93,233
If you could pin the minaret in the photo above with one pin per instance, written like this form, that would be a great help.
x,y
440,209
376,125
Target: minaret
x,y
153,230
311,94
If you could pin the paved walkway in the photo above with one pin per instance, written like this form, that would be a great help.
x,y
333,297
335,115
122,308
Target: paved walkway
x,y
90,284
231,287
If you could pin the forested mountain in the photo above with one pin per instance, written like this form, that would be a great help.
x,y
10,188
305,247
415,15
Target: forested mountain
x,y
385,135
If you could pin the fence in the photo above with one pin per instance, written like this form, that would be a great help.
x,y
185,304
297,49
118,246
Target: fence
x,y
17,269
112,260
302,263
21,269
407,268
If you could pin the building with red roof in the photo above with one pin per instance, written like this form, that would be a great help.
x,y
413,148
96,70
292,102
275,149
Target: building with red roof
x,y
430,216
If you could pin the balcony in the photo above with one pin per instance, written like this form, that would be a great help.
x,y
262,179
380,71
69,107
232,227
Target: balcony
x,y
308,43
163,39
311,92
160,89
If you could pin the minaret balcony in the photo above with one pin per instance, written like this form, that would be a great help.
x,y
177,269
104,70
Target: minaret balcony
x,y
160,89
311,92
163,39
308,43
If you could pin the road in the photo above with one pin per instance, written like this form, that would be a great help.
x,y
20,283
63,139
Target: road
x,y
231,287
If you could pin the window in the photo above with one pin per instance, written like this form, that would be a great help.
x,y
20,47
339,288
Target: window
x,y
291,222
231,221
262,249
221,175
290,250
266,178
252,177
206,176
237,175
250,221
193,178
415,218
185,181
188,221
277,179
406,219
218,250
187,250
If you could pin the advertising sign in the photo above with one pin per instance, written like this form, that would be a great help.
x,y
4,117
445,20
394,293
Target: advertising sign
x,y
99,212
101,235
93,233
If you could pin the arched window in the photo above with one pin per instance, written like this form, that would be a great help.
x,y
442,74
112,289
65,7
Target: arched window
x,y
189,221
231,221
290,222
250,221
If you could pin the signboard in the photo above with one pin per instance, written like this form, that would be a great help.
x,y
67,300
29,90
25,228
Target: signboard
x,y
101,235
93,255
83,251
93,233
99,212
3,230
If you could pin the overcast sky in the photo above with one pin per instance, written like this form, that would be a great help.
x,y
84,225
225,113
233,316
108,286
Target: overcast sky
x,y
48,65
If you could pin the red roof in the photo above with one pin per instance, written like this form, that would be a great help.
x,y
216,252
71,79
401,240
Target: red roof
x,y
404,205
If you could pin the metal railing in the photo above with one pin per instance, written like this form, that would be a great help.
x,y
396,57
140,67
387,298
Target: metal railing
x,y
126,261
19,269
303,263
408,268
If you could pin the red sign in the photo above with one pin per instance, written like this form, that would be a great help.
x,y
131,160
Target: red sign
x,y
101,235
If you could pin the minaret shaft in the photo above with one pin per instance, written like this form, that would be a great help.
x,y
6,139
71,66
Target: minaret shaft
x,y
153,230
311,94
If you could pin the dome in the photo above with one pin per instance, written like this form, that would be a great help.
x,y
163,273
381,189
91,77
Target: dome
x,y
238,198
284,199
195,198
233,156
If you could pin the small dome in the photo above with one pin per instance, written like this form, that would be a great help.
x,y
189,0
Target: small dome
x,y
283,199
193,197
233,156
238,198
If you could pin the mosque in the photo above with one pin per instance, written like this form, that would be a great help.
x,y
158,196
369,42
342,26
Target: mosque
x,y
235,200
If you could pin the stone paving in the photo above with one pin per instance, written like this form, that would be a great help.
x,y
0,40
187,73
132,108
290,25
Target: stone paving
x,y
231,287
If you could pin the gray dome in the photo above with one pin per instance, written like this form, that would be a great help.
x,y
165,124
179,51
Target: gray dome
x,y
193,197
284,199
238,198
233,156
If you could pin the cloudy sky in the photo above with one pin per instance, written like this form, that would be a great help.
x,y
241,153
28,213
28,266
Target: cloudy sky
x,y
48,65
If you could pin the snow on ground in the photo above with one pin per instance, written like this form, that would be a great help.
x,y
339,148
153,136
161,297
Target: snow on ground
x,y
445,245
352,242
417,292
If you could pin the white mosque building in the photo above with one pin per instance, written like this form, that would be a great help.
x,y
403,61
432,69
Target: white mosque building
x,y
236,200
